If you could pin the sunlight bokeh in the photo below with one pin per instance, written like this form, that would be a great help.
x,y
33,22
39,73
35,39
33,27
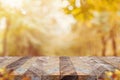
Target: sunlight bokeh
x,y
59,27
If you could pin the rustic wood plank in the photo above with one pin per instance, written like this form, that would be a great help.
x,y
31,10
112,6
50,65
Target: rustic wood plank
x,y
60,68
51,69
2,59
51,66
32,75
23,70
7,61
43,68
83,69
25,66
115,61
99,66
36,70
16,64
37,66
67,70
30,69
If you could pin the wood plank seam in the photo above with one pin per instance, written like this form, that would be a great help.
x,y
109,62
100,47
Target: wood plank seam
x,y
67,70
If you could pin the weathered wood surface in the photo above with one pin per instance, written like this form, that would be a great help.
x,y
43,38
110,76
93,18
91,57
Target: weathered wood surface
x,y
60,68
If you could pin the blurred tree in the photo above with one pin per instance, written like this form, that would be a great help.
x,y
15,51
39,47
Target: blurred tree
x,y
41,30
92,13
30,30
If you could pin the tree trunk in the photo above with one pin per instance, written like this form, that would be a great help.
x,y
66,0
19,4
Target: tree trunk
x,y
104,46
32,51
112,36
5,53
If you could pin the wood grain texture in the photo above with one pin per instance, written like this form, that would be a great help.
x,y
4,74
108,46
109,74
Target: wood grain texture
x,y
114,61
1,59
60,68
25,66
8,60
98,66
67,69
84,70
51,68
17,63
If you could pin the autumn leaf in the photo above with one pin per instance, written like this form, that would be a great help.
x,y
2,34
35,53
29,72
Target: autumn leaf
x,y
26,78
6,75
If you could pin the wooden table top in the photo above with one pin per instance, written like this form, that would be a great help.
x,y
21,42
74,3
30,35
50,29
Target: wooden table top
x,y
60,68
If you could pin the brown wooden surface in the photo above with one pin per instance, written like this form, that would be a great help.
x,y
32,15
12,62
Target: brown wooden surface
x,y
60,68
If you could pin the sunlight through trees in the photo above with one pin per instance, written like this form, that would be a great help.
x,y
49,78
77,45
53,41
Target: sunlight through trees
x,y
59,27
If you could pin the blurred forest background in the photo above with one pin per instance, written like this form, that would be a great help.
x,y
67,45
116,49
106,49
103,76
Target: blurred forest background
x,y
59,27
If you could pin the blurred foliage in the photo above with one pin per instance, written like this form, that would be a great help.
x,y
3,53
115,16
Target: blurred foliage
x,y
6,75
83,10
72,28
112,75
101,18
9,75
